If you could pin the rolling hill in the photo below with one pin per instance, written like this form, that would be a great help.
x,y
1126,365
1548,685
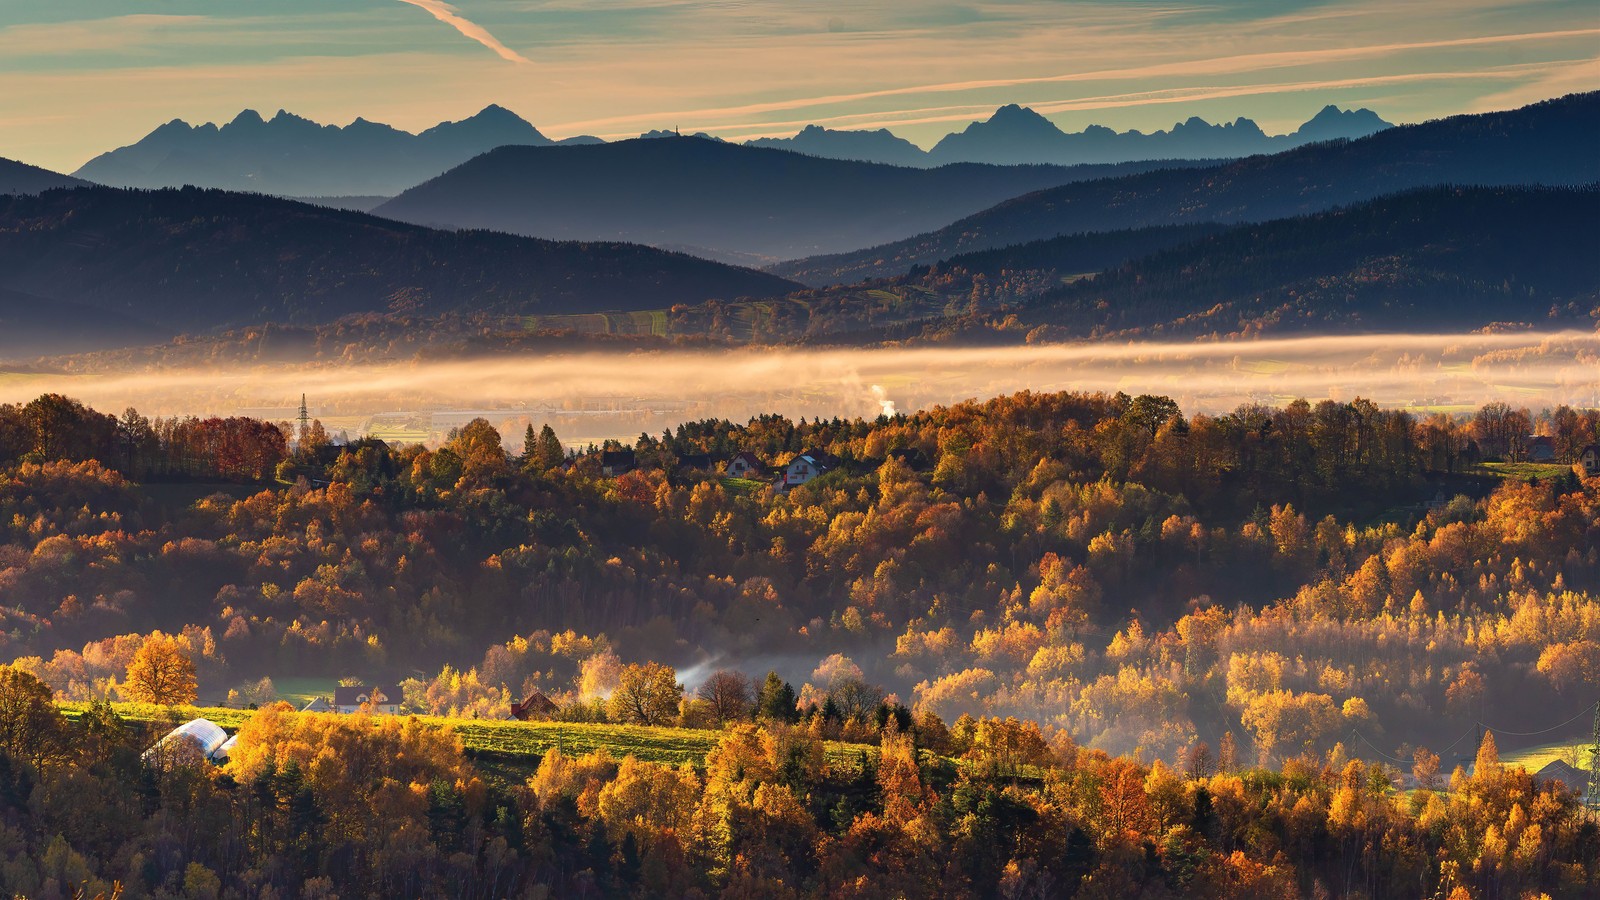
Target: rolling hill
x,y
33,326
722,200
21,178
1546,143
188,260
1454,259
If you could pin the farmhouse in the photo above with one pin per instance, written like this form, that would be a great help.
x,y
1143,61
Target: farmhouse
x,y
1541,449
385,700
537,707
1589,458
1574,780
318,704
694,462
746,465
806,466
616,462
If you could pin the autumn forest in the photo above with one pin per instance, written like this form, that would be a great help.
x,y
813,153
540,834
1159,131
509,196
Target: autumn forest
x,y
1044,645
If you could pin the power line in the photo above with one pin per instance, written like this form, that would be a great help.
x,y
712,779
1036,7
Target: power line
x,y
1355,733
1586,711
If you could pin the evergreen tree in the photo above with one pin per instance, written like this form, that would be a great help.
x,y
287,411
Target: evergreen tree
x,y
550,453
777,700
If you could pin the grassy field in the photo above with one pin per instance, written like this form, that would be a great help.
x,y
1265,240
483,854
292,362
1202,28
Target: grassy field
x,y
1524,470
1535,758
513,749
301,691
742,485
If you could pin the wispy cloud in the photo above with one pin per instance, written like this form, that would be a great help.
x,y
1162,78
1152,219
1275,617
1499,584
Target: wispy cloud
x,y
1244,63
1568,73
449,15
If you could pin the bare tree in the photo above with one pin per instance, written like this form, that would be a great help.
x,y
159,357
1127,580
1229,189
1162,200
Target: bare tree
x,y
729,695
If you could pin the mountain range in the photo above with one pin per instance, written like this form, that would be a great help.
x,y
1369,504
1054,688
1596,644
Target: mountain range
x,y
184,261
715,199
1546,143
1016,135
293,156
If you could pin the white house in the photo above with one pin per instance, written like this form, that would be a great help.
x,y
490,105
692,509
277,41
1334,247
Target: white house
x,y
807,466
385,700
746,465
1589,458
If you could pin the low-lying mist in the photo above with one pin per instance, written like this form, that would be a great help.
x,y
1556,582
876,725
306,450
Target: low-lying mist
x,y
594,395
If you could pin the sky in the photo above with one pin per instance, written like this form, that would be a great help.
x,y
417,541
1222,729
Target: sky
x,y
79,77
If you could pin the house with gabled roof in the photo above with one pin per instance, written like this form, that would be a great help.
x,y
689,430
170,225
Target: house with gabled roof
x,y
384,699
807,466
694,462
746,465
1589,459
1572,778
536,707
617,462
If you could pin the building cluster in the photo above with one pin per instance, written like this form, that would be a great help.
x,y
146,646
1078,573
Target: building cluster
x,y
385,700
799,469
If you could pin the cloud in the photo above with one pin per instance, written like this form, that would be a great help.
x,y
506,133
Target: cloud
x,y
1212,66
1559,77
448,14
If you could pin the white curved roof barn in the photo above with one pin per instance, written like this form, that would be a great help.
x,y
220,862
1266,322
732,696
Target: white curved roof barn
x,y
203,734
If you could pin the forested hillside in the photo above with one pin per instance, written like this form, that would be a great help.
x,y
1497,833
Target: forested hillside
x,y
1207,593
1036,524
1454,259
188,260
1443,259
1549,143
21,178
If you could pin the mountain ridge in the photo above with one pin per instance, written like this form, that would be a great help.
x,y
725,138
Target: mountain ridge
x,y
1018,135
725,199
189,260
21,178
290,155
295,156
1544,143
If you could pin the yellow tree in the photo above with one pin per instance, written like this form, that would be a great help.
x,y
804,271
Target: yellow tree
x,y
646,694
161,672
31,728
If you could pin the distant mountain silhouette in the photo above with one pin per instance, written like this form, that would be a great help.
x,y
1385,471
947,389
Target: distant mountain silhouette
x,y
725,200
189,260
1547,143
1333,123
1018,135
881,146
292,156
21,178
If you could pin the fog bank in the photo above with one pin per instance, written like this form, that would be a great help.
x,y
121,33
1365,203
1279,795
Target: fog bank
x,y
594,395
